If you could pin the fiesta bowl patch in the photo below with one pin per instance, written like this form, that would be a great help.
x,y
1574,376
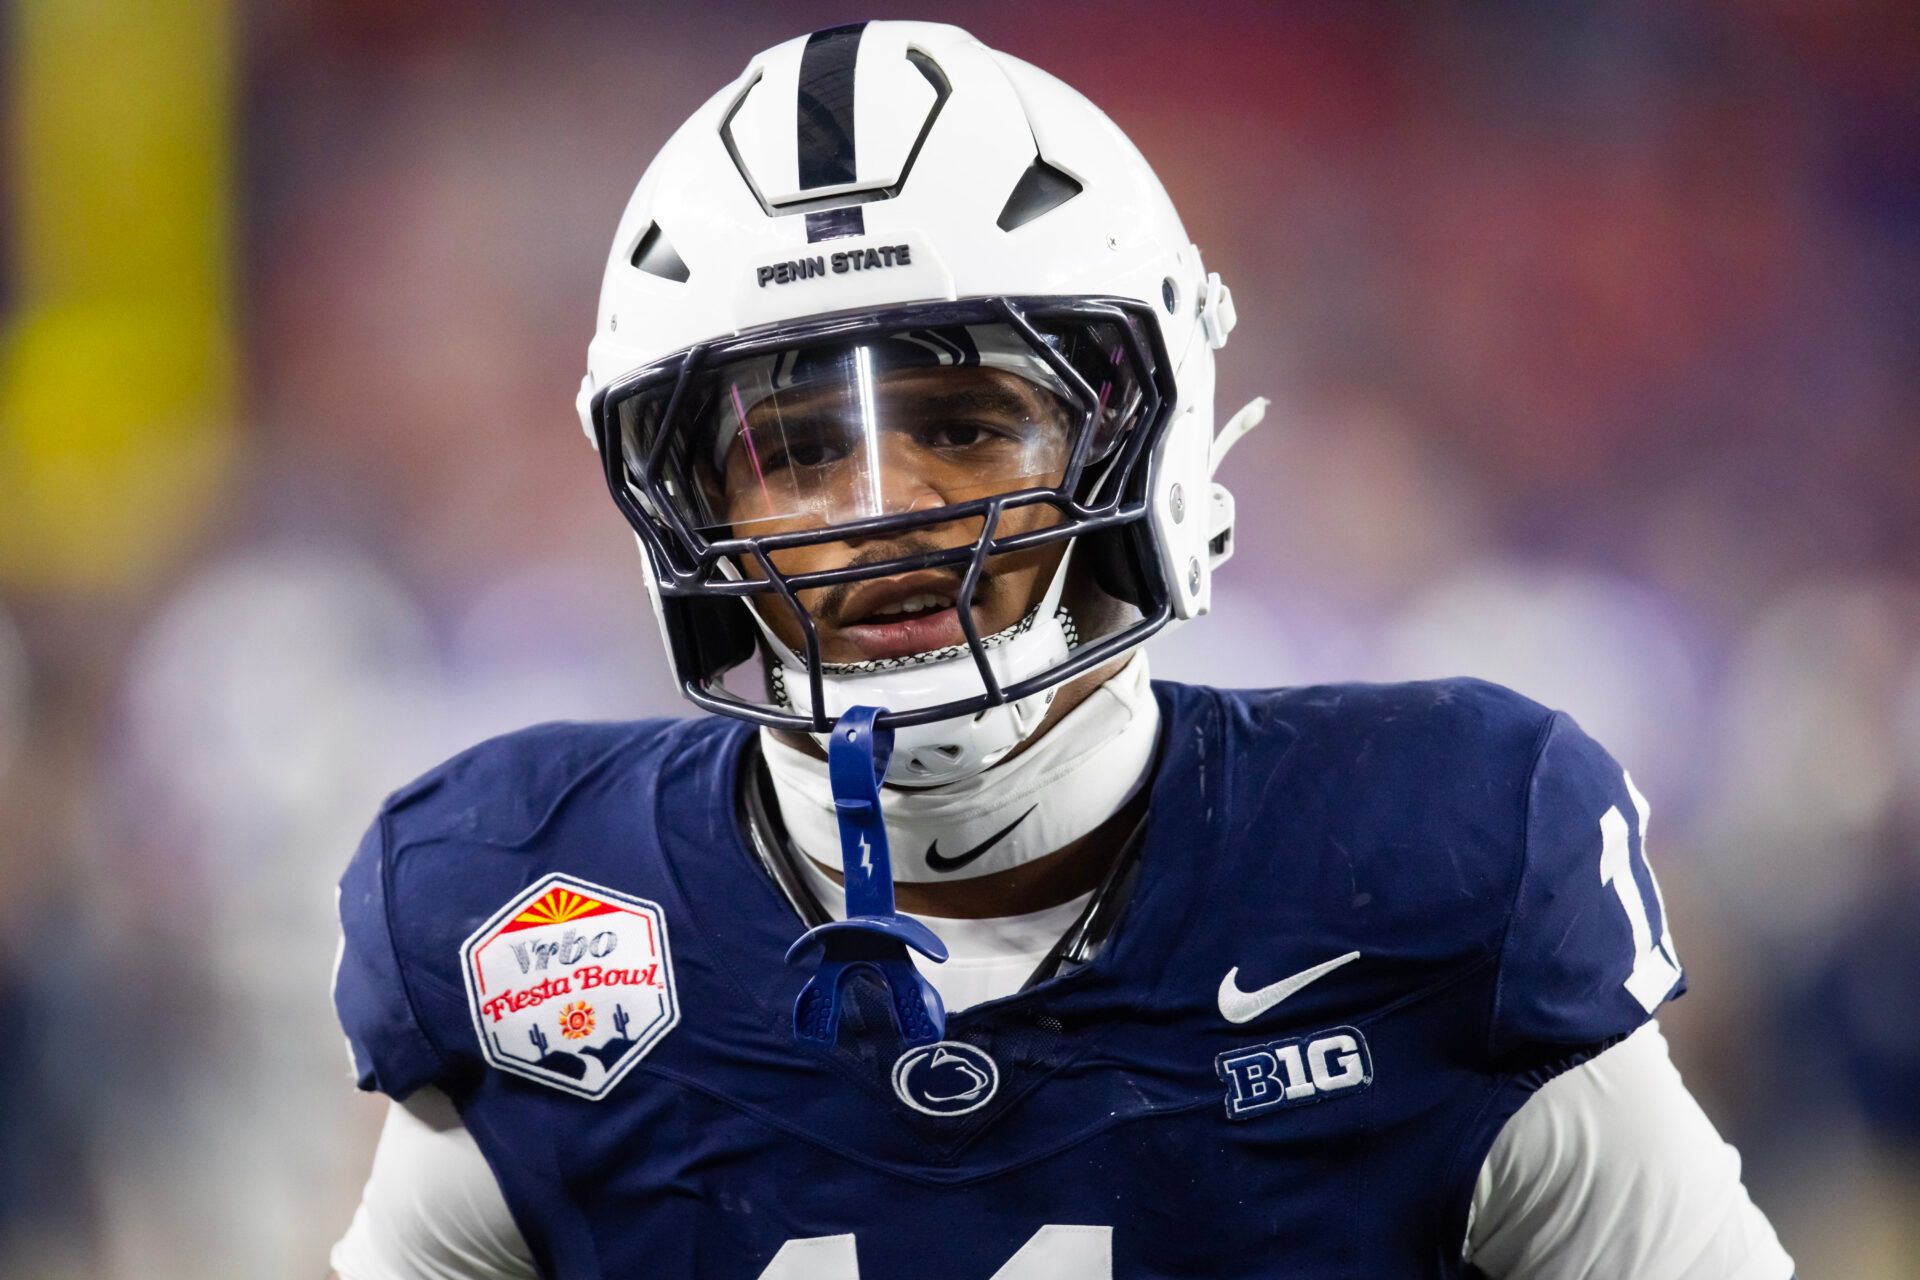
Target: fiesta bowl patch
x,y
570,984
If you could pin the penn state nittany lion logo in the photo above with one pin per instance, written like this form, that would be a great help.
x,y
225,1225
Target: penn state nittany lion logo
x,y
570,984
946,1078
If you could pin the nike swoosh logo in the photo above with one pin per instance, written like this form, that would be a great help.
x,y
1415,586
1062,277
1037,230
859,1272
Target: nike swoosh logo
x,y
941,862
1244,1006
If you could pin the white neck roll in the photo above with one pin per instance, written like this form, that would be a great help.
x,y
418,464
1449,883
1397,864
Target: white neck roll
x,y
1072,778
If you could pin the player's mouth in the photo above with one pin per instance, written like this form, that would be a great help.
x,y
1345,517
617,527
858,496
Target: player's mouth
x,y
900,616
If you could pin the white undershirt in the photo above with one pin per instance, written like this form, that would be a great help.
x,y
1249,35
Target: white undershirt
x,y
986,959
1610,1170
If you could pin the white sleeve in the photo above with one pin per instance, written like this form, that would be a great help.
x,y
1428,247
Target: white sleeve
x,y
431,1209
1612,1169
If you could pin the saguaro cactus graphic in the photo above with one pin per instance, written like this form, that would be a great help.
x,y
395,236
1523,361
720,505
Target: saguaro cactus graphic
x,y
618,1044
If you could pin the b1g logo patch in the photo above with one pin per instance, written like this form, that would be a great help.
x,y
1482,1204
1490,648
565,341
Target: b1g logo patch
x,y
570,984
946,1078
1292,1073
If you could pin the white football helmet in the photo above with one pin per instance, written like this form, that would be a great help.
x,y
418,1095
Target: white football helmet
x,y
884,210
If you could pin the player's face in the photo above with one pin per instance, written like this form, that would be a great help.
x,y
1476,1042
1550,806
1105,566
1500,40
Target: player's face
x,y
909,440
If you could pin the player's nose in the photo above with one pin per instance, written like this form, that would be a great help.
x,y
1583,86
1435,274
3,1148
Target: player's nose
x,y
895,501
898,484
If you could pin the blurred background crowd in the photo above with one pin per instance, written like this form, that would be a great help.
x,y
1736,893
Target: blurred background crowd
x,y
1592,337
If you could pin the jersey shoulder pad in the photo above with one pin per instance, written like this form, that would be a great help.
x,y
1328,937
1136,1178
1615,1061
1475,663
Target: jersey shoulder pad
x,y
504,790
1392,813
1475,721
389,1051
1453,825
1412,768
443,852
1587,955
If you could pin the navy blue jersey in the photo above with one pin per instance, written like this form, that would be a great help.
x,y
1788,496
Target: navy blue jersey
x,y
1368,922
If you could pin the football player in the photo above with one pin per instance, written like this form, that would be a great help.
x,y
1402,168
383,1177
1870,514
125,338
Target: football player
x,y
903,377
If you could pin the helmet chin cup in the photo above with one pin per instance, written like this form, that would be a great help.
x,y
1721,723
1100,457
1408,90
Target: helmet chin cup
x,y
945,751
929,755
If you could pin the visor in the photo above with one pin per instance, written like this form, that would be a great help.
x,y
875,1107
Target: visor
x,y
915,419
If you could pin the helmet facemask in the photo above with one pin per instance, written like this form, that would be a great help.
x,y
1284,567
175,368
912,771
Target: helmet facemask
x,y
938,508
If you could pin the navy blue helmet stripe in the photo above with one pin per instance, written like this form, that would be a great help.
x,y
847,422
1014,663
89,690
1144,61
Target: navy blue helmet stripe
x,y
834,224
825,116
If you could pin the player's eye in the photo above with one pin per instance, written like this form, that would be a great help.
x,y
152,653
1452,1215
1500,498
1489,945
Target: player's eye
x,y
805,454
799,444
959,433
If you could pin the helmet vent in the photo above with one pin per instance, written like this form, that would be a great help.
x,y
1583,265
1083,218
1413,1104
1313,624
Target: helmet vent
x,y
1041,189
656,257
823,142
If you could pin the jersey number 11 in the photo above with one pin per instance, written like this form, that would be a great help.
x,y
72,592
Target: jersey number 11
x,y
1655,965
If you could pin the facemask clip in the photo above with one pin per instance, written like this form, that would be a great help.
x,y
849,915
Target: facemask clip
x,y
873,937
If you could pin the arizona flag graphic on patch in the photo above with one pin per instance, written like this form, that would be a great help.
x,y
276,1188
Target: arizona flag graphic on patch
x,y
570,984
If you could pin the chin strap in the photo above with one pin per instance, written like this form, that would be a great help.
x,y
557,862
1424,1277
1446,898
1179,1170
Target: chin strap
x,y
873,937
